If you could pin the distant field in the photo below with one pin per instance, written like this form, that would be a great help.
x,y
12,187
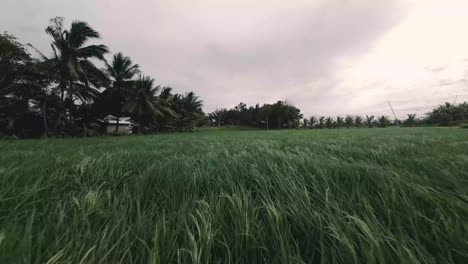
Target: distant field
x,y
219,196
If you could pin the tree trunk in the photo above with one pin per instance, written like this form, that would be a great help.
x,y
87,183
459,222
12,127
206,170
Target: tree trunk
x,y
44,117
62,91
70,96
120,109
85,129
117,126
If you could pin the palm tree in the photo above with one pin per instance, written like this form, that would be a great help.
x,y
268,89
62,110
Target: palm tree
x,y
189,110
369,120
339,121
121,71
217,115
411,120
321,122
383,121
305,123
74,71
329,122
142,103
349,121
358,121
24,81
165,105
312,121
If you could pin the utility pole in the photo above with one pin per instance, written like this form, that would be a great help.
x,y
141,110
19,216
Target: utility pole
x,y
455,101
396,119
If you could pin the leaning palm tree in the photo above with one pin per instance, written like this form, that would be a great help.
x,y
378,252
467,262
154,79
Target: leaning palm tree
x,y
312,121
358,121
121,72
339,121
349,121
74,71
369,120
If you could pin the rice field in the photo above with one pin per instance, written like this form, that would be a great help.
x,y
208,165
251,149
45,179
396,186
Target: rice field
x,y
215,196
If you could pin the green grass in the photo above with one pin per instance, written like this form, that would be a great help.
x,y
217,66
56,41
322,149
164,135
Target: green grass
x,y
328,196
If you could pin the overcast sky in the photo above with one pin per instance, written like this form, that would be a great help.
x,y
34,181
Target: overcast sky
x,y
328,57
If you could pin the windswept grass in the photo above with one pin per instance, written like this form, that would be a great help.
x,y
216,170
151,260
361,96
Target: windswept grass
x,y
330,196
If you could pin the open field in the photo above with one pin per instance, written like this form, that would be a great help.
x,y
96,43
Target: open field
x,y
306,196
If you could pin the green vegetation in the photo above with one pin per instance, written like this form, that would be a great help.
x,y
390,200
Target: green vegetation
x,y
283,115
67,94
292,196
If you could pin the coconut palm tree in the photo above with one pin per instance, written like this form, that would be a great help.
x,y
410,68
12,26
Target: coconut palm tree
x,y
24,81
383,121
73,69
305,123
189,109
349,121
321,122
312,121
142,103
164,103
369,120
339,121
358,121
121,72
411,120
329,122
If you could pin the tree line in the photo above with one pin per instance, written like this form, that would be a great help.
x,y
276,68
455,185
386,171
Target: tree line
x,y
284,115
67,93
278,115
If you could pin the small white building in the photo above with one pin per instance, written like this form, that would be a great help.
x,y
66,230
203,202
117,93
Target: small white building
x,y
125,125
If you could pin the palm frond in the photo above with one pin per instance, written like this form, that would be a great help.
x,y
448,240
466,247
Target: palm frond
x,y
94,75
80,32
92,51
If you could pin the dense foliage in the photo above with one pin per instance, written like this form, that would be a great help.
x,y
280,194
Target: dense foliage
x,y
284,115
296,196
277,115
67,93
448,114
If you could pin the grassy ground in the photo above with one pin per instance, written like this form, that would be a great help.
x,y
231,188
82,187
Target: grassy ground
x,y
329,196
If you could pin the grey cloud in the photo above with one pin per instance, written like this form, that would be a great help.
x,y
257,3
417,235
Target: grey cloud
x,y
229,51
